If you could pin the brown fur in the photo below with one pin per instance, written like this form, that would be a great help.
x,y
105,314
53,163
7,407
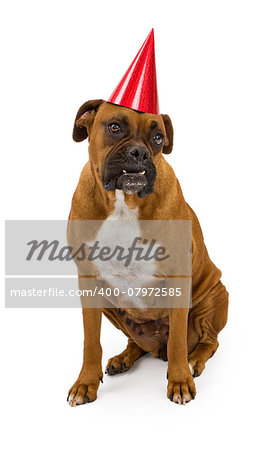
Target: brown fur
x,y
180,335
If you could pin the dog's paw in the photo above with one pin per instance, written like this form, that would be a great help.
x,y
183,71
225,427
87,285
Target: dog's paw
x,y
84,390
118,364
125,360
82,393
181,392
199,356
196,367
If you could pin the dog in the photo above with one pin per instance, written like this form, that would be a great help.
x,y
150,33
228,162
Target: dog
x,y
128,175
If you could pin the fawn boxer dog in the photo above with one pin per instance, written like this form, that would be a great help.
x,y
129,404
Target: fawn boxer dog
x,y
127,171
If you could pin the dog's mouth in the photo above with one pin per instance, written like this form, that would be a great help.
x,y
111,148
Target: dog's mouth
x,y
131,180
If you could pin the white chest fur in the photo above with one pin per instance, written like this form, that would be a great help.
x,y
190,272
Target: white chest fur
x,y
120,229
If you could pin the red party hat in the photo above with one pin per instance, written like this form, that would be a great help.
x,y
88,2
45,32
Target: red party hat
x,y
138,87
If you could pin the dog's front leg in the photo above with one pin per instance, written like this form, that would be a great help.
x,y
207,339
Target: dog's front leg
x,y
84,390
181,387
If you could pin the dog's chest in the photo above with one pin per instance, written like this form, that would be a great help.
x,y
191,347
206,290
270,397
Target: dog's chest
x,y
120,229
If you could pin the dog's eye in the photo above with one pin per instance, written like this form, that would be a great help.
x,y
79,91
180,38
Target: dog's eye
x,y
114,128
158,139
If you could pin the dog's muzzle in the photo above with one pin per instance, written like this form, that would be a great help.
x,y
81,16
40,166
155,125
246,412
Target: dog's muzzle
x,y
130,169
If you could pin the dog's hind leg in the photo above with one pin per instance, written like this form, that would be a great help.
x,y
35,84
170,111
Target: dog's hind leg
x,y
125,360
206,320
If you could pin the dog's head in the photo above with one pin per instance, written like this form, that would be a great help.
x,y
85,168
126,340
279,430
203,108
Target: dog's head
x,y
124,145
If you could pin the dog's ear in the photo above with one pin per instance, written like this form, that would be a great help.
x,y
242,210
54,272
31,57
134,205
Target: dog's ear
x,y
168,145
84,119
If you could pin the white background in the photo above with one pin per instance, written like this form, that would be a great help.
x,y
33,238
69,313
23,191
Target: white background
x,y
218,79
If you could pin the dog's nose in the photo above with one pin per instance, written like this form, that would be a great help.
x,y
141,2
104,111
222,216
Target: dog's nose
x,y
140,154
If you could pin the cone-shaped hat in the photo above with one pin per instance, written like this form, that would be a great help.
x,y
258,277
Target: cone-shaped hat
x,y
138,87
